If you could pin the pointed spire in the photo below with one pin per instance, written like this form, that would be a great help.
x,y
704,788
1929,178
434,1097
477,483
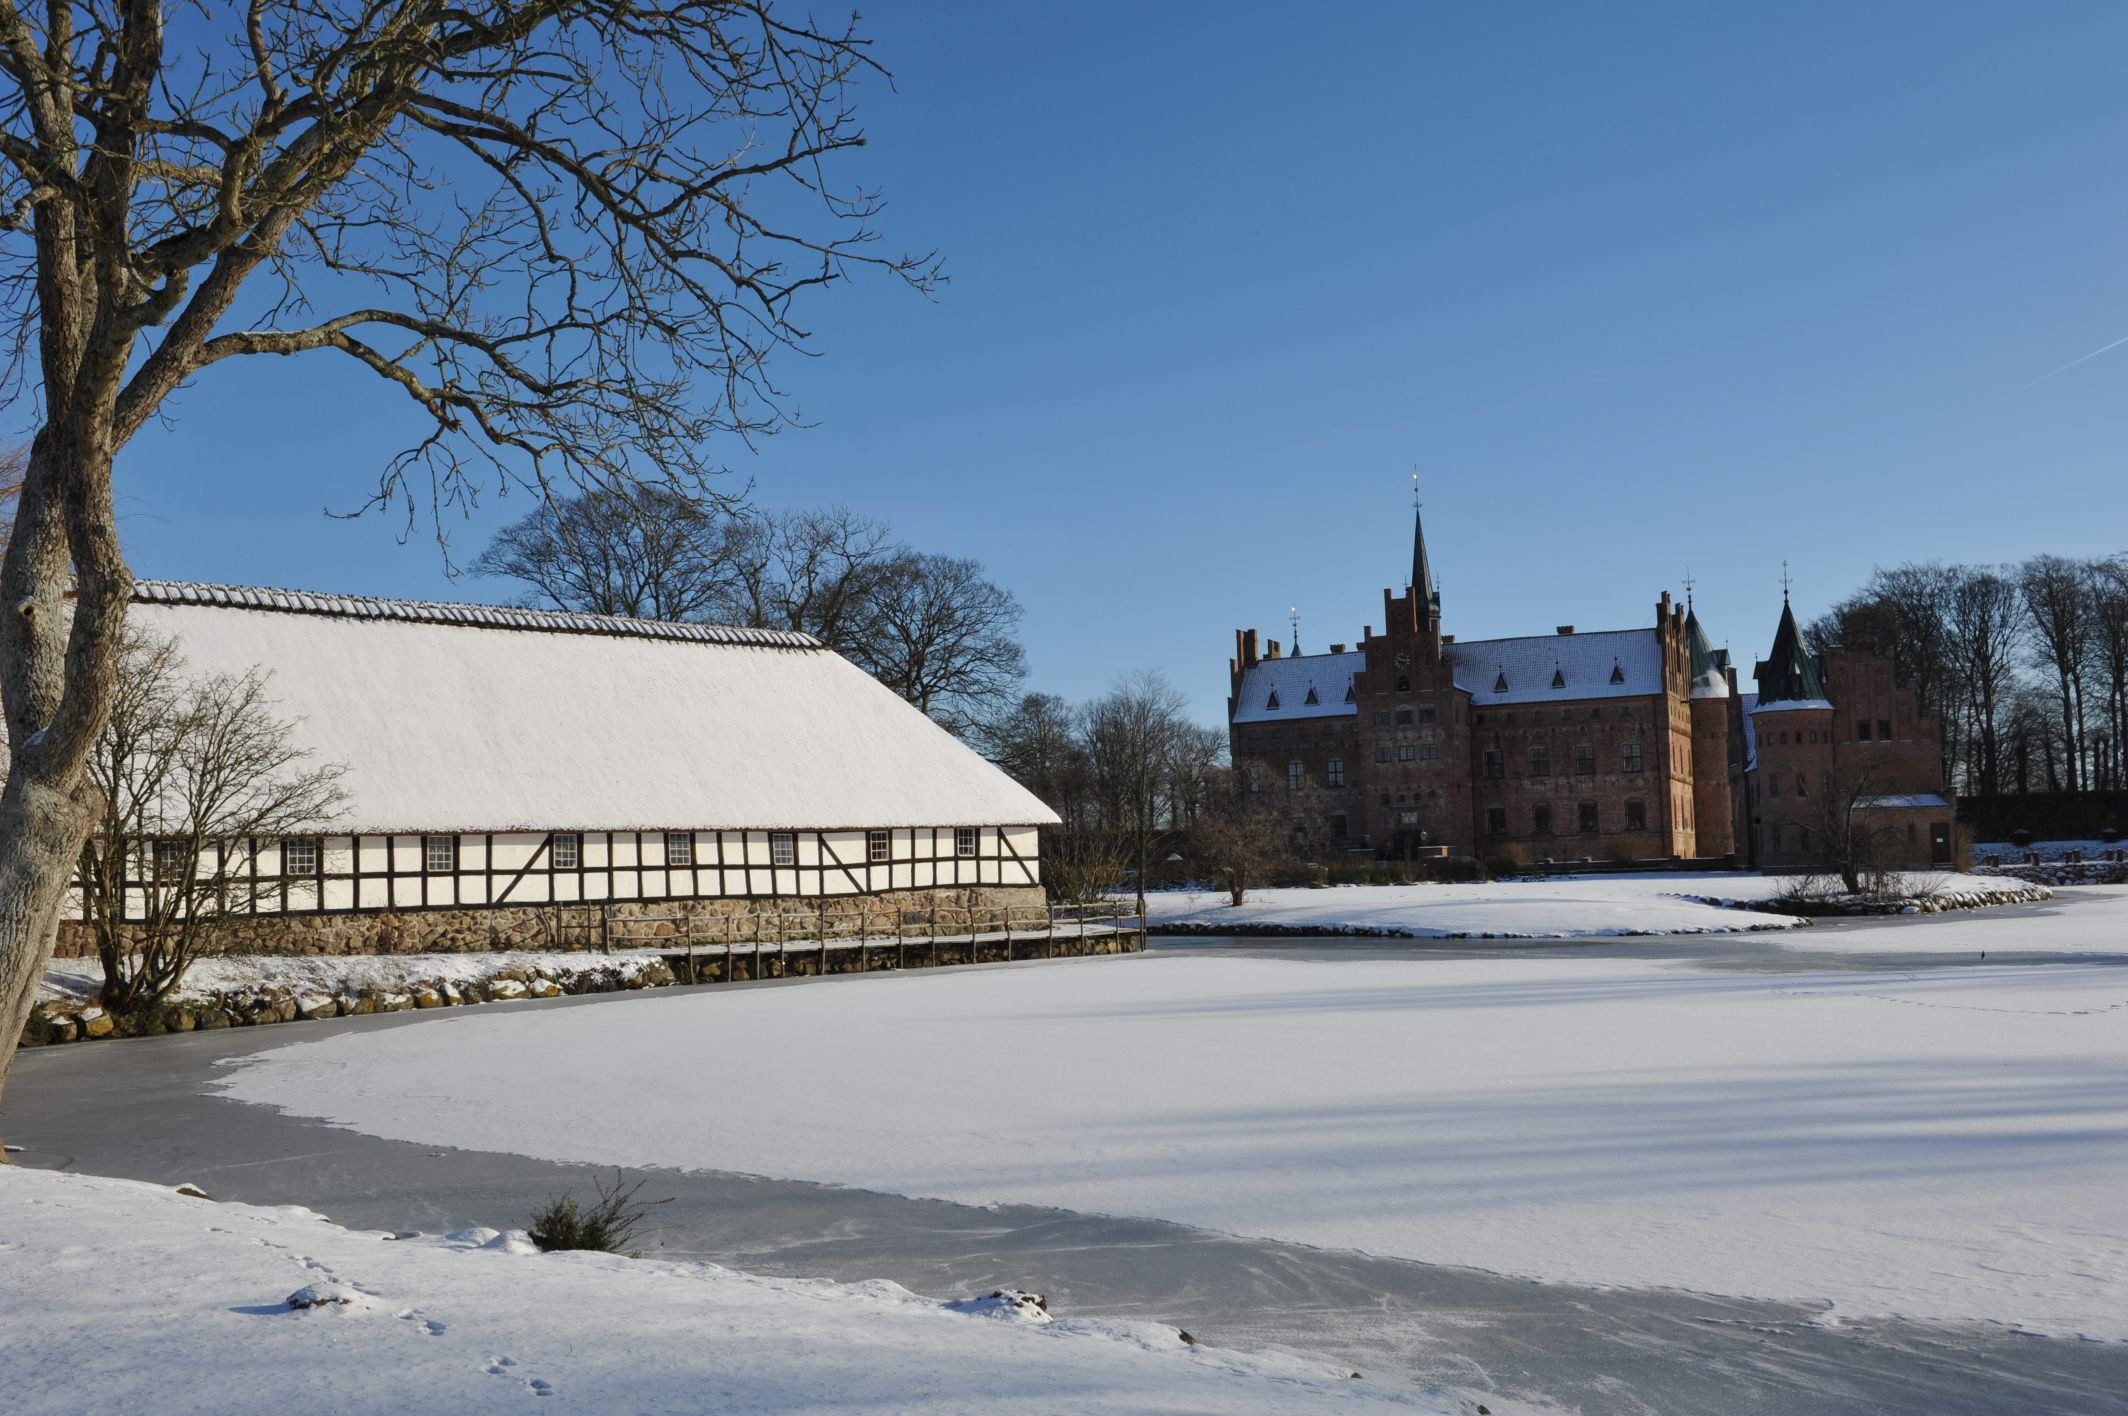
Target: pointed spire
x,y
1422,583
1791,670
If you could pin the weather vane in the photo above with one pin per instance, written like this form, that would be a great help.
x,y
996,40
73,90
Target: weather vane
x,y
1784,580
1293,616
1415,502
1689,583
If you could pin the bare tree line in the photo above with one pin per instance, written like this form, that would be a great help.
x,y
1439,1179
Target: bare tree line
x,y
2026,666
934,628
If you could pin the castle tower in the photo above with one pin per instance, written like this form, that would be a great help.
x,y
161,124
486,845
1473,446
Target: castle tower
x,y
1792,727
1714,763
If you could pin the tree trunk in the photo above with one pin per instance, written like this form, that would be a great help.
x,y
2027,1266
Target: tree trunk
x,y
57,673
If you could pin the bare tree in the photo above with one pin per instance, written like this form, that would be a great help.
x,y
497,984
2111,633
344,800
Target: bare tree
x,y
2057,606
647,552
1036,742
942,635
1849,834
1984,620
2107,582
571,233
199,780
1241,831
815,571
1130,734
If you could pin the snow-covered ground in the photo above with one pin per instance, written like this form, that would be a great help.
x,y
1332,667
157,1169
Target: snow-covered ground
x,y
1943,1145
1568,907
119,1296
333,973
2091,919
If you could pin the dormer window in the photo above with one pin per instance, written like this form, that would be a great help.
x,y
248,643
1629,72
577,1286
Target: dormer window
x,y
1312,699
1618,673
1349,698
1558,677
1271,704
1500,684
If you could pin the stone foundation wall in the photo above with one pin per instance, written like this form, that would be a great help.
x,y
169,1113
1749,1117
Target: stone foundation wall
x,y
627,923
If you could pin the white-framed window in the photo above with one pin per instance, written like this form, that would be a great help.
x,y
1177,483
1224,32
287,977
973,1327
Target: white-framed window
x,y
783,847
299,855
1429,751
879,846
679,848
1296,773
1631,757
169,861
1407,752
568,851
964,840
439,854
1334,771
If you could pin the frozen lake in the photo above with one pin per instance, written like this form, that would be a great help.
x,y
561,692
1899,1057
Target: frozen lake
x,y
143,1110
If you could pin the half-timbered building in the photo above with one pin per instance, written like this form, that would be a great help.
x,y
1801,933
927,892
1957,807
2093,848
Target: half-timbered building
x,y
502,765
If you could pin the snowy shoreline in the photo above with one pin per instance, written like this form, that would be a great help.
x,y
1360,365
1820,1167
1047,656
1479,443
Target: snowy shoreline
x,y
201,1297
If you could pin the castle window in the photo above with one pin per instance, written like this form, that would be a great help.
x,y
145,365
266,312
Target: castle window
x,y
1588,818
1495,762
1381,752
1540,819
879,846
568,852
1496,820
1403,717
1884,730
1429,751
439,854
1632,757
1272,702
679,848
1558,678
1296,773
1311,696
1381,717
1862,730
1802,785
1334,771
1429,715
1584,759
1540,760
783,847
1500,684
1405,752
1618,673
299,855
1403,685
1636,816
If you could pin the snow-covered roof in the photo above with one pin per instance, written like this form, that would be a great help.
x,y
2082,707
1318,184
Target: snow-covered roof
x,y
1904,799
1750,702
478,718
1540,668
1276,690
1558,668
1794,705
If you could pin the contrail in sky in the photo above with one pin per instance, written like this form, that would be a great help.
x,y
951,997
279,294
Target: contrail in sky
x,y
2074,362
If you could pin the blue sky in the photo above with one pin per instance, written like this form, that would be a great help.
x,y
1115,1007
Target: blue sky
x,y
1636,287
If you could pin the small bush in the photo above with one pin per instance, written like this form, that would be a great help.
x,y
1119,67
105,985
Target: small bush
x,y
608,1227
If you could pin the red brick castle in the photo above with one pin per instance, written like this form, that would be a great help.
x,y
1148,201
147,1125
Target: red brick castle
x,y
1630,744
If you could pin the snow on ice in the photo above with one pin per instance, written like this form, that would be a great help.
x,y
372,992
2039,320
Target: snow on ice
x,y
1940,1145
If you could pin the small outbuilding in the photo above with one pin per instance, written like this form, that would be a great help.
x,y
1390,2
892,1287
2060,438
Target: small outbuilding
x,y
508,771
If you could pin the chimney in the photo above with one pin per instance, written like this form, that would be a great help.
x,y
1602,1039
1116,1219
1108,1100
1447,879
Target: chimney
x,y
1245,644
1271,650
1448,639
1566,629
1337,648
